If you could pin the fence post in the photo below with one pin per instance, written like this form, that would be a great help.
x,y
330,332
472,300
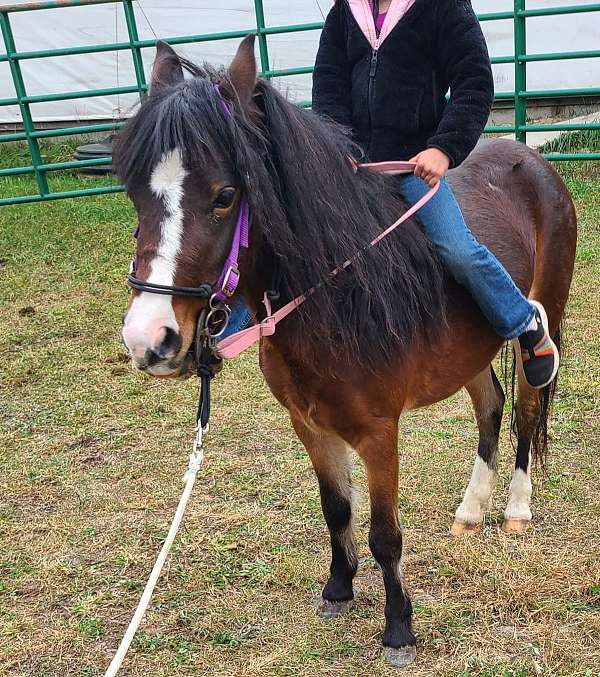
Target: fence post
x,y
136,52
17,75
520,32
262,38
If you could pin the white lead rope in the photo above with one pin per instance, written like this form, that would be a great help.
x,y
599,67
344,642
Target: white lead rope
x,y
196,460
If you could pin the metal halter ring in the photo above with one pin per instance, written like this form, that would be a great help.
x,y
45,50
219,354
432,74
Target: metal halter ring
x,y
218,314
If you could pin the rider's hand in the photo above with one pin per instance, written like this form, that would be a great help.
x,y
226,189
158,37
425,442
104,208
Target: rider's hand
x,y
432,164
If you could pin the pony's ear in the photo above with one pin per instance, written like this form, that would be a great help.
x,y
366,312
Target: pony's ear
x,y
167,70
243,71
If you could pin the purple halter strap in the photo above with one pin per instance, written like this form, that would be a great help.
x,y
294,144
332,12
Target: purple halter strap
x,y
230,275
224,105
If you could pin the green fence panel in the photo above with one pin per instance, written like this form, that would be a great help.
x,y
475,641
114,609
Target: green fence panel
x,y
30,134
262,38
520,35
17,76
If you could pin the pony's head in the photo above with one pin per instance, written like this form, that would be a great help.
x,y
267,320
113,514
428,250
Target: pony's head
x,y
174,158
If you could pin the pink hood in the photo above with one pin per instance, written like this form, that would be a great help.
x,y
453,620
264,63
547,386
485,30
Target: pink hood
x,y
361,9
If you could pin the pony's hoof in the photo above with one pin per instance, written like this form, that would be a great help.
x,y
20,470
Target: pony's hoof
x,y
401,657
512,526
460,528
328,609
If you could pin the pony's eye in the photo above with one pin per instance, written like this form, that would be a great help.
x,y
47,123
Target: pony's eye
x,y
225,198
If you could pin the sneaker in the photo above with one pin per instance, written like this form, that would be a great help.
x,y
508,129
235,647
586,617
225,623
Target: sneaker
x,y
538,351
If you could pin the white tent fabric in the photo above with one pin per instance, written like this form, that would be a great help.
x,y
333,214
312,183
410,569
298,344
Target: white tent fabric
x,y
66,27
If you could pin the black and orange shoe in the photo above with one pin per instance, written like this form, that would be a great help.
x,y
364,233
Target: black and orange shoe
x,y
538,351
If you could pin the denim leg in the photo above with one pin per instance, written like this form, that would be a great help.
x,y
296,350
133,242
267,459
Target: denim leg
x,y
469,262
240,318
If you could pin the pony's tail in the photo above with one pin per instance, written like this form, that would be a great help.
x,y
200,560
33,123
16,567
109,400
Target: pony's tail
x,y
539,439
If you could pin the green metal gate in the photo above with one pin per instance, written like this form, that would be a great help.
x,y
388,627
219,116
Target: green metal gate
x,y
134,45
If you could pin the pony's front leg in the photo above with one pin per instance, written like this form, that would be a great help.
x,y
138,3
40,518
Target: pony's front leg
x,y
331,460
379,450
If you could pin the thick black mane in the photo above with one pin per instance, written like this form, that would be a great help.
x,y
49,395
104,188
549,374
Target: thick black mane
x,y
313,210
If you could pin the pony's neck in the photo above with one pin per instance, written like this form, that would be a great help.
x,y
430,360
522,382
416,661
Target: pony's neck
x,y
312,211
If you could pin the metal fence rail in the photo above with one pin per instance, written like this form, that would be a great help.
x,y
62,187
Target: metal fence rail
x,y
134,45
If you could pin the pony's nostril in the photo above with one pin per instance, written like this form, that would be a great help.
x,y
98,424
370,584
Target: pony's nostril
x,y
151,359
170,345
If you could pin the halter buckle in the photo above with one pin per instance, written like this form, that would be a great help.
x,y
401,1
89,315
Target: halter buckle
x,y
232,270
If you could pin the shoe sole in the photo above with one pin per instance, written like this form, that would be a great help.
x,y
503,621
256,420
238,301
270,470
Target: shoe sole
x,y
544,317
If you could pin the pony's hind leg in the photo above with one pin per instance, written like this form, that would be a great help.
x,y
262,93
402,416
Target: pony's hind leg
x,y
331,460
528,408
379,451
488,402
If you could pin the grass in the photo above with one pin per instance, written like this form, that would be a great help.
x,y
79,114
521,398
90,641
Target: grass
x,y
581,141
17,155
92,454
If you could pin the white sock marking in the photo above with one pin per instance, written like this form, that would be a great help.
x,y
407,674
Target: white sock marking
x,y
519,495
477,494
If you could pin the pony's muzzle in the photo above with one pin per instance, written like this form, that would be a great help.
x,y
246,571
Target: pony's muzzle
x,y
152,346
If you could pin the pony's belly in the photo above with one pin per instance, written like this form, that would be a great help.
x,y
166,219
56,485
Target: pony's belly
x,y
438,374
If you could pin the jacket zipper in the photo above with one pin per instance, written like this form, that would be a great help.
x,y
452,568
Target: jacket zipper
x,y
372,73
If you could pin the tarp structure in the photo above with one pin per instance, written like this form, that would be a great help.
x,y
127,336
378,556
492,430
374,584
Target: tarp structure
x,y
66,27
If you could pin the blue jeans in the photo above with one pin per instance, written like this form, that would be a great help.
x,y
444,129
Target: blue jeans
x,y
469,262
240,318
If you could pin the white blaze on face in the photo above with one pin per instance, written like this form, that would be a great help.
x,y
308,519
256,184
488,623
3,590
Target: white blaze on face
x,y
149,314
167,184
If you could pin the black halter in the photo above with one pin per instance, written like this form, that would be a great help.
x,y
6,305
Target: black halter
x,y
204,291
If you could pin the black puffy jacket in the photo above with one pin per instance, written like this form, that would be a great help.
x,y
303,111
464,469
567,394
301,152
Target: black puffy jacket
x,y
394,98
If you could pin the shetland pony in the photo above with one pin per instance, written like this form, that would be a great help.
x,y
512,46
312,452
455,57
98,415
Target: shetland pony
x,y
391,333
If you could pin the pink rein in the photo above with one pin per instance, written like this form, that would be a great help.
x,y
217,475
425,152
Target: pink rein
x,y
235,344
